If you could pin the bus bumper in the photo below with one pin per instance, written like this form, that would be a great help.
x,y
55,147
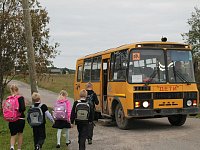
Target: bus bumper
x,y
162,112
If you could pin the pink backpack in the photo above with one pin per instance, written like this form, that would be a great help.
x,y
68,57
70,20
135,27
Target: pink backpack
x,y
60,110
11,109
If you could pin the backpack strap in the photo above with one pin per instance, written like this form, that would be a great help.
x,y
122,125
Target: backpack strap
x,y
18,96
91,95
40,105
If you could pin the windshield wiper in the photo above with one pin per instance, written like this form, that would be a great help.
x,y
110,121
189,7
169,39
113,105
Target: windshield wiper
x,y
179,75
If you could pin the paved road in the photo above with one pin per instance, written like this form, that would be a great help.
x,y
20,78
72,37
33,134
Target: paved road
x,y
148,134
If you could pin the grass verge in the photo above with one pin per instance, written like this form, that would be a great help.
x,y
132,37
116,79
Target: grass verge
x,y
54,82
50,142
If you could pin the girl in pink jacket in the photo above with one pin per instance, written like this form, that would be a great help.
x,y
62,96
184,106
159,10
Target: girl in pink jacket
x,y
64,121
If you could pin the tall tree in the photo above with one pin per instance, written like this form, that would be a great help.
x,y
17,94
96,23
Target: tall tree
x,y
13,52
193,35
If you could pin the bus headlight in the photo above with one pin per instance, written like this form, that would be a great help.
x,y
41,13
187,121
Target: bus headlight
x,y
145,104
189,103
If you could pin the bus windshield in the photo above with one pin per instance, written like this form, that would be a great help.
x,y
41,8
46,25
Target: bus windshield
x,y
147,66
180,66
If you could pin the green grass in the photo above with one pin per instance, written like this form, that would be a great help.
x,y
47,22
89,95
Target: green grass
x,y
54,82
50,142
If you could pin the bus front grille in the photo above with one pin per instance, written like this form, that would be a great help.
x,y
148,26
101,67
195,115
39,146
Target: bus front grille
x,y
168,95
165,95
142,96
190,95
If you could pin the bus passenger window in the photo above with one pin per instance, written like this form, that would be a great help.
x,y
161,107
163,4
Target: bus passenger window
x,y
120,65
96,65
79,74
111,67
87,70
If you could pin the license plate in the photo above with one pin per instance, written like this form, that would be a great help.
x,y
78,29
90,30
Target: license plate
x,y
172,103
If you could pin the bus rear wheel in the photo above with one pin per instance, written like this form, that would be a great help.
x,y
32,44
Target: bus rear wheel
x,y
121,120
177,120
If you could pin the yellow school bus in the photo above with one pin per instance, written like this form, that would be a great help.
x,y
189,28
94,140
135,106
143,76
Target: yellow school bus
x,y
141,80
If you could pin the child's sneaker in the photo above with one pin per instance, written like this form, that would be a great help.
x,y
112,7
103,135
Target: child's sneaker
x,y
89,141
37,147
69,142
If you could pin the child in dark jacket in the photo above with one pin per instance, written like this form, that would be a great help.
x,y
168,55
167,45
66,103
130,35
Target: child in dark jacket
x,y
39,132
82,125
94,101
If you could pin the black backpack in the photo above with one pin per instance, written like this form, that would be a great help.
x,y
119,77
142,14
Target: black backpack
x,y
35,116
82,111
90,100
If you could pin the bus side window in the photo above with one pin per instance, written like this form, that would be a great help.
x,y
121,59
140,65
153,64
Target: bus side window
x,y
79,73
112,67
96,65
120,65
87,70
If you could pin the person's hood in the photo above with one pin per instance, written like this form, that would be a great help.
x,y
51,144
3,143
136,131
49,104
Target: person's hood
x,y
62,100
90,92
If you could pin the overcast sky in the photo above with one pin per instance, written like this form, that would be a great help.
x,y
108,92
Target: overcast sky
x,y
87,26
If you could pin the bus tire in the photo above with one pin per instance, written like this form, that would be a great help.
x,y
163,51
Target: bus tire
x,y
177,120
121,120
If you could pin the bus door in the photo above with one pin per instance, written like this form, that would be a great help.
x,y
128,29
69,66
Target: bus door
x,y
105,67
77,83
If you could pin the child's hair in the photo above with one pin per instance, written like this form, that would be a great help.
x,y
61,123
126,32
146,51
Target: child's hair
x,y
83,93
36,97
14,88
63,94
88,85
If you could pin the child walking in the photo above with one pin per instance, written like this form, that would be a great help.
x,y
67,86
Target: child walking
x,y
82,115
92,97
38,125
17,126
61,114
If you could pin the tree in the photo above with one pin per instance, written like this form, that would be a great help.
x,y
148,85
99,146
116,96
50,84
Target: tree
x,y
13,52
193,36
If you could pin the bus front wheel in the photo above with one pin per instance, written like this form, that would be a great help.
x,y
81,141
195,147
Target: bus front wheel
x,y
177,120
121,120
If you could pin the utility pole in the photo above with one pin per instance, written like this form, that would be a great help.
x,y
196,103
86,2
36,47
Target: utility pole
x,y
29,43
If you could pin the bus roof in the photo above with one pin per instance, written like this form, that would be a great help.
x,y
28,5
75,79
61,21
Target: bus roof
x,y
145,44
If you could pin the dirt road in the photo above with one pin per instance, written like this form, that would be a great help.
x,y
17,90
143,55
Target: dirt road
x,y
47,97
148,134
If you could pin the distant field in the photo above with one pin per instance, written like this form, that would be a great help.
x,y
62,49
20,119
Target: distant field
x,y
53,82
